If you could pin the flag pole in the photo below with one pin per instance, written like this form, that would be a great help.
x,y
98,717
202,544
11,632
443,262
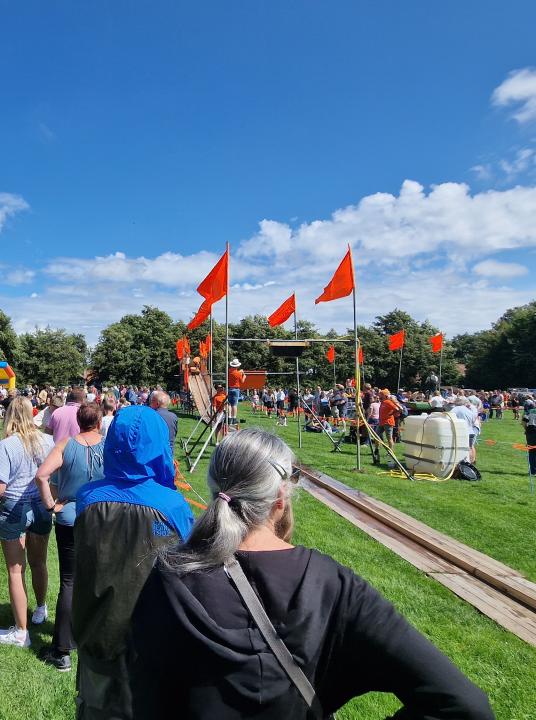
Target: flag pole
x,y
297,376
210,361
334,372
440,363
356,369
227,341
400,369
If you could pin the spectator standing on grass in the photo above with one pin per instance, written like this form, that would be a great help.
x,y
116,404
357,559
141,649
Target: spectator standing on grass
x,y
389,412
342,634
63,423
70,465
160,402
529,422
236,378
108,414
121,522
25,523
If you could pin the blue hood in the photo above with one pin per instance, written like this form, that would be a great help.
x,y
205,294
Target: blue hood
x,y
137,448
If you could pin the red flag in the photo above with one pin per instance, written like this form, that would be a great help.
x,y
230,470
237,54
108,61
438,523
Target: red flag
x,y
342,283
396,341
360,356
436,341
186,346
214,286
208,342
331,354
283,312
203,349
201,315
180,349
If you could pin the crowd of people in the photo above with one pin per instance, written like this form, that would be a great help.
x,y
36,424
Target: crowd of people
x,y
146,596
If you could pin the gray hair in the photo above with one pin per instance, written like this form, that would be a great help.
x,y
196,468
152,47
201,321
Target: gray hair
x,y
250,468
160,398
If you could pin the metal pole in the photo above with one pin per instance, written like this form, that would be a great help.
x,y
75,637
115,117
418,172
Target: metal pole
x,y
210,360
399,370
357,383
227,340
334,371
297,377
440,363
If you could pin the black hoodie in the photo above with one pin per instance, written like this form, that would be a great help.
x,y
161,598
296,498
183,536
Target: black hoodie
x,y
197,654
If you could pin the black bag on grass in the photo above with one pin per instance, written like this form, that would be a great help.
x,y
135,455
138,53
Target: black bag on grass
x,y
467,471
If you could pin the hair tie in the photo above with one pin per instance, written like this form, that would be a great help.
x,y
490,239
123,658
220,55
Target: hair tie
x,y
225,497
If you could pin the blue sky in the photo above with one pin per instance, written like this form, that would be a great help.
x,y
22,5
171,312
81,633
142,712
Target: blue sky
x,y
137,138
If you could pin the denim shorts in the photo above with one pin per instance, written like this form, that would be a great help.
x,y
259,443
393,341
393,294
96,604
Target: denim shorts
x,y
23,515
232,397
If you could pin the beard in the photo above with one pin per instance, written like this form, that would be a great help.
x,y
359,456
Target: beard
x,y
285,525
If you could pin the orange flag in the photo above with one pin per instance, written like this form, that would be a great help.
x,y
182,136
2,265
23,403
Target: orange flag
x,y
203,349
283,312
208,342
214,286
331,354
436,341
360,356
342,283
202,314
180,349
396,341
186,346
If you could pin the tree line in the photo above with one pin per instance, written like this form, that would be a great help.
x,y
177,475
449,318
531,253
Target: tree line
x,y
140,349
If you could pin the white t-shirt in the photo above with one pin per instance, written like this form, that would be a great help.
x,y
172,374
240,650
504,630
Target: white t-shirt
x,y
437,401
105,424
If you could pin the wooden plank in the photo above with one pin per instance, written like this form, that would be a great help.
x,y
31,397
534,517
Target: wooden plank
x,y
506,611
464,557
415,554
472,561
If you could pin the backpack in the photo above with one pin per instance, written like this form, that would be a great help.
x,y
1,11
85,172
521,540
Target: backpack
x,y
466,471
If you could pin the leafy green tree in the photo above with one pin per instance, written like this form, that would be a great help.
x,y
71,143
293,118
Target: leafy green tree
x,y
52,357
139,349
9,342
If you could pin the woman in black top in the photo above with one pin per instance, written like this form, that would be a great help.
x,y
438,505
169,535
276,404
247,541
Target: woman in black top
x,y
196,653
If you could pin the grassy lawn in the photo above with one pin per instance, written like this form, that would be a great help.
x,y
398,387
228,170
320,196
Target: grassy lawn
x,y
495,516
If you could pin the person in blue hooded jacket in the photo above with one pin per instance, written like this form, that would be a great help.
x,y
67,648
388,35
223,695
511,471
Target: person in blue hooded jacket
x,y
121,523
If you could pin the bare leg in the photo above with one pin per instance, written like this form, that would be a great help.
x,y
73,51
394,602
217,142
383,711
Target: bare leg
x,y
15,556
36,548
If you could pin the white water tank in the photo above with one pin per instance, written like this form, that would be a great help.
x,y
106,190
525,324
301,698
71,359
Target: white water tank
x,y
434,443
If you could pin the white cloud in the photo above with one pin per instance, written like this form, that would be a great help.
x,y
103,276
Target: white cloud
x,y
412,250
169,269
10,205
518,89
524,160
496,269
15,275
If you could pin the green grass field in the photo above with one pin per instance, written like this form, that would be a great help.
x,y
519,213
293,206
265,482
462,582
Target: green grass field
x,y
495,516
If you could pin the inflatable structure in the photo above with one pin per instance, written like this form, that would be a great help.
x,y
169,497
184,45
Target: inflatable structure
x,y
7,376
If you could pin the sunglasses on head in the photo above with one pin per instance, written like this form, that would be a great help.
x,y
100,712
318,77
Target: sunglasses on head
x,y
294,475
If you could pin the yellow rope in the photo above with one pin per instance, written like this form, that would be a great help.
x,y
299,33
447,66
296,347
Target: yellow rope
x,y
403,472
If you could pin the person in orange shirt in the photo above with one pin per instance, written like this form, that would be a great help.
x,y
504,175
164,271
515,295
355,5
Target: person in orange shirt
x,y
236,379
218,403
389,410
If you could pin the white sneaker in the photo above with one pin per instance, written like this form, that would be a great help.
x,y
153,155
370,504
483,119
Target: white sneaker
x,y
40,614
14,636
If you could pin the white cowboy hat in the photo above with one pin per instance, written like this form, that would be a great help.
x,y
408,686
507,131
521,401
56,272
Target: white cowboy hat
x,y
235,363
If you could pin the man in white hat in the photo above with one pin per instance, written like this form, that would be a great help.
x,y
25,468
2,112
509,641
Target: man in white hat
x,y
236,377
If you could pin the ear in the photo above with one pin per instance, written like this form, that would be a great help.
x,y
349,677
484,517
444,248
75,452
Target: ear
x,y
281,500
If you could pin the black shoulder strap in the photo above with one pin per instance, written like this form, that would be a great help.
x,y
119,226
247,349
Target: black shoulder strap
x,y
269,633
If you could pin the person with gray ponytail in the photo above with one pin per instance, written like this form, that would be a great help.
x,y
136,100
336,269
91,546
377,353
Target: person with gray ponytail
x,y
239,623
